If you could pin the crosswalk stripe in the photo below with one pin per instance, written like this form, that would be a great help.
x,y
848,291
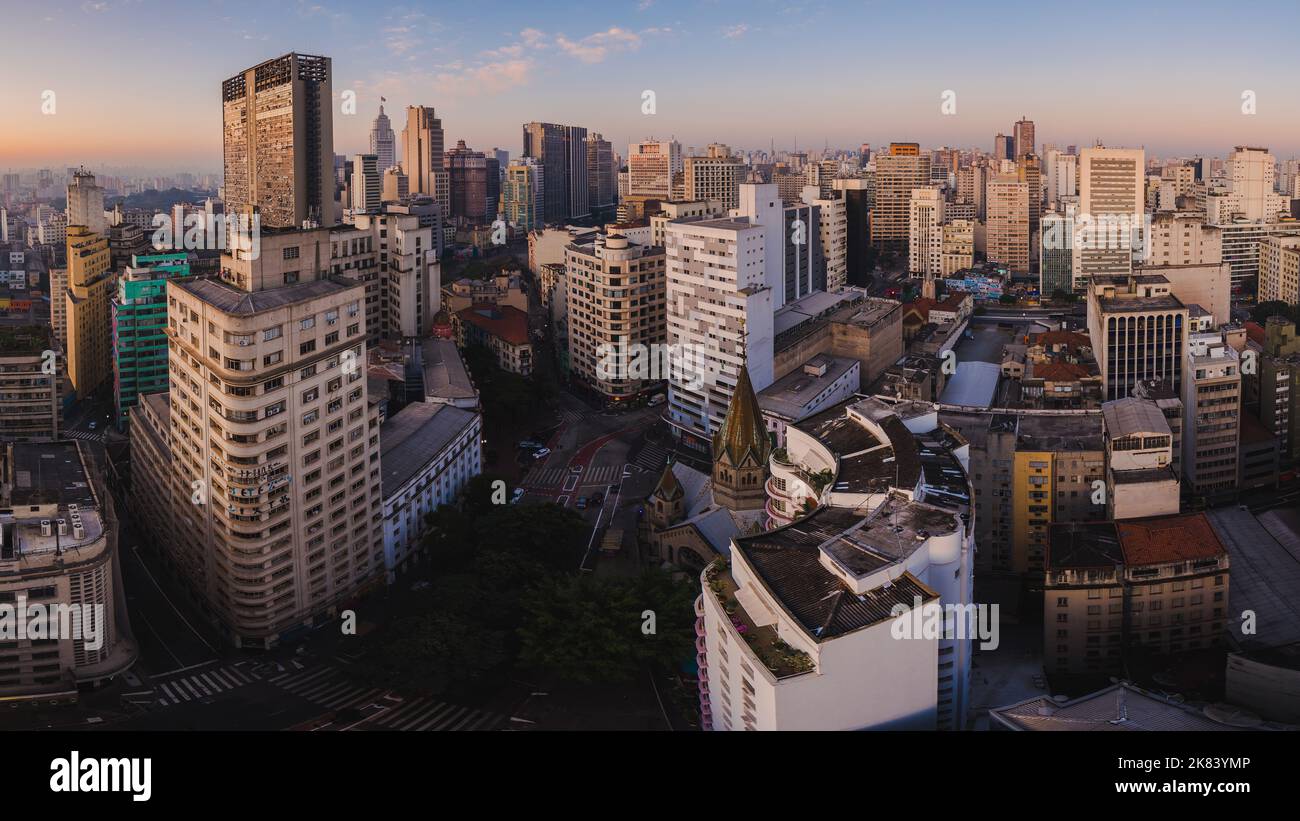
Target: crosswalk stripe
x,y
421,715
330,690
361,697
211,682
317,688
430,717
444,722
228,677
397,713
189,686
238,675
461,724
302,679
170,695
486,719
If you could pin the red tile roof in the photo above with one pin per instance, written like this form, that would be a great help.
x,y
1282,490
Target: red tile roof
x,y
1050,338
1168,539
503,321
1060,372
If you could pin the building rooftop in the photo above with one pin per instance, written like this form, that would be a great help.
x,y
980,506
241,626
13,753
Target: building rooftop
x,y
1118,708
1082,545
1168,539
445,376
1131,415
414,436
788,561
973,385
1081,432
49,473
1265,573
503,321
790,396
25,340
229,299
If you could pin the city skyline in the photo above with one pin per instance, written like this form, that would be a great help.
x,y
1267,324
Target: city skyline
x,y
566,63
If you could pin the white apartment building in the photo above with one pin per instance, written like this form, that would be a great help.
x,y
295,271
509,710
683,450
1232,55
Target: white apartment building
x,y
1007,227
428,452
833,227
1182,238
925,237
1111,201
271,473
715,176
720,305
801,631
956,247
1250,193
1279,269
615,295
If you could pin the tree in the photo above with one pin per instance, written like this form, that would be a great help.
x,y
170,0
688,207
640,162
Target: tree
x,y
591,630
1261,312
553,535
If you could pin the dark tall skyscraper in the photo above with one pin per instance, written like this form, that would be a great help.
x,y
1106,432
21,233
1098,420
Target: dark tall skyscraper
x,y
602,177
1024,138
562,152
467,174
278,141
1003,147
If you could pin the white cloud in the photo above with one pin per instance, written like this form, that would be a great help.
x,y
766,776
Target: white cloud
x,y
735,32
594,48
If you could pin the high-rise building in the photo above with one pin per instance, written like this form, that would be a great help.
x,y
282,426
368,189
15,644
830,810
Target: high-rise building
x,y
282,102
651,166
396,187
715,176
269,470
31,381
86,203
467,176
956,247
720,307
898,172
792,253
1023,134
424,156
1138,330
1250,194
858,203
1029,170
925,233
1056,259
1007,228
1108,223
523,194
139,325
383,141
1277,386
1211,411
367,185
89,282
1004,147
832,223
562,152
602,180
616,302
1061,171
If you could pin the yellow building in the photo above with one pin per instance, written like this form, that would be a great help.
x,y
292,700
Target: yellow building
x,y
1057,461
86,310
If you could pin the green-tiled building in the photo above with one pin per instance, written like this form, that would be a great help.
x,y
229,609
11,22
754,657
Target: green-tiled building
x,y
140,327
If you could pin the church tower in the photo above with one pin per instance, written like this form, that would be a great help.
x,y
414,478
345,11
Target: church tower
x,y
667,502
741,448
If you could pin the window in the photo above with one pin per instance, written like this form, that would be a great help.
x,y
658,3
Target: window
x,y
307,347
271,333
291,253
307,324
273,358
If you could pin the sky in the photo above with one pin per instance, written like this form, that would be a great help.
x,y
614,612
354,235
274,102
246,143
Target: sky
x,y
136,83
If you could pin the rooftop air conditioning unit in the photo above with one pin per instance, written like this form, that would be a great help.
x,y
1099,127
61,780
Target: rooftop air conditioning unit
x,y
45,527
79,532
63,527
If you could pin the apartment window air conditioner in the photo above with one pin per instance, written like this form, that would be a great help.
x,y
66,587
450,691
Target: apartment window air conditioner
x,y
63,527
45,527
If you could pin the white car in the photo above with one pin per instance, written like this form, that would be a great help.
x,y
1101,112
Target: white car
x,y
542,454
518,494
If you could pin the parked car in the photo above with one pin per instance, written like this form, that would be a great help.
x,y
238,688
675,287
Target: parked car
x,y
657,399
581,504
